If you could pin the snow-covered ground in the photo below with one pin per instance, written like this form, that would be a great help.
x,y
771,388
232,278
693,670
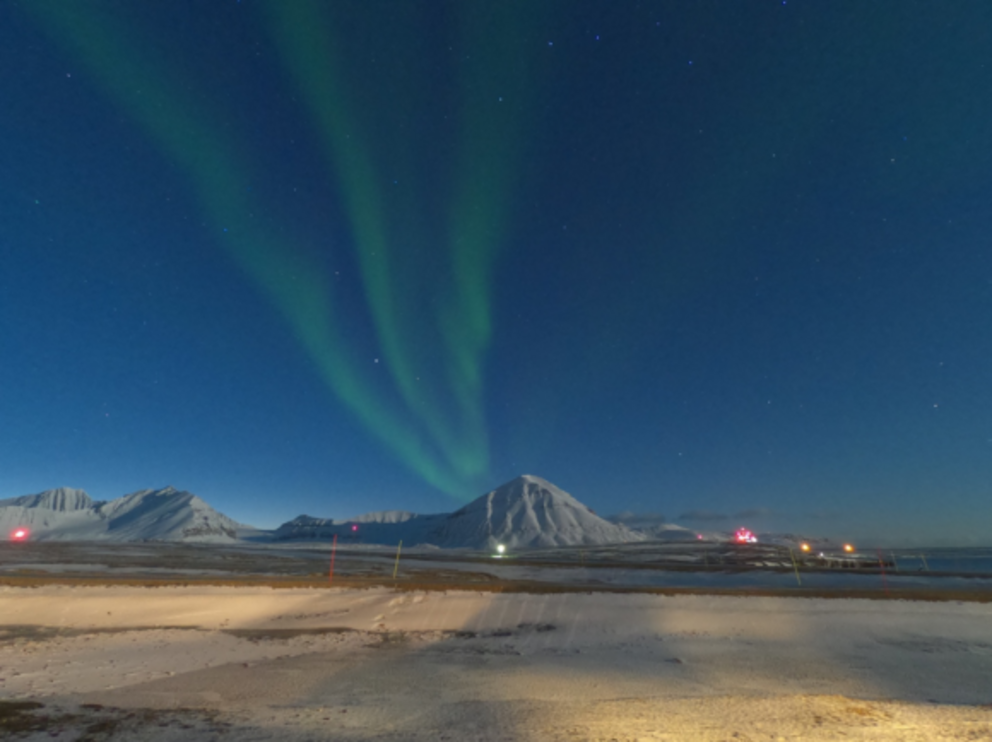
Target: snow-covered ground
x,y
264,664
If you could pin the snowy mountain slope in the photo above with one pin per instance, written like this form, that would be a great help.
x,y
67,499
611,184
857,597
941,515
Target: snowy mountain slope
x,y
61,500
387,516
526,512
654,527
148,515
667,532
384,527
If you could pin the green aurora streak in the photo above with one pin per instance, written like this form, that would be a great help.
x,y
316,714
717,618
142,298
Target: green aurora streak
x,y
486,143
439,428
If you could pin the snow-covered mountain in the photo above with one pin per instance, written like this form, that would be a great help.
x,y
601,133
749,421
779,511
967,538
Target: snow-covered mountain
x,y
384,527
61,500
653,526
67,514
526,512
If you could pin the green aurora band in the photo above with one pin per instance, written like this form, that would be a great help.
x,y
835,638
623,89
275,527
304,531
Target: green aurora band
x,y
485,144
435,422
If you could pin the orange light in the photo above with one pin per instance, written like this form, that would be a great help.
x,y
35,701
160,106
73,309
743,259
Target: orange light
x,y
804,547
848,548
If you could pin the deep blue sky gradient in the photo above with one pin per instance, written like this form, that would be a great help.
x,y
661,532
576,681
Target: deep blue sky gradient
x,y
745,269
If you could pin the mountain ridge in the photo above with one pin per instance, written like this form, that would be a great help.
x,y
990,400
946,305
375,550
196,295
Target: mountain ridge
x,y
165,514
527,511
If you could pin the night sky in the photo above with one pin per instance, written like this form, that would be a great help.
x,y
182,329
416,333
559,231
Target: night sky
x,y
724,261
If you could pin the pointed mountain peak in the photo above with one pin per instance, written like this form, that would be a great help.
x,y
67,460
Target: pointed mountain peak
x,y
530,488
526,512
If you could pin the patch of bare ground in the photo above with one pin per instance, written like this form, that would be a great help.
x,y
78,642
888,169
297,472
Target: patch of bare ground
x,y
444,580
741,719
715,719
94,722
22,633
259,635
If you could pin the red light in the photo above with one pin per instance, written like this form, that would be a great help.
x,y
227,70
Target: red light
x,y
354,527
19,534
744,536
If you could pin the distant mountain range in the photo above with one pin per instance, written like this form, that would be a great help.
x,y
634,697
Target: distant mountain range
x,y
524,513
167,514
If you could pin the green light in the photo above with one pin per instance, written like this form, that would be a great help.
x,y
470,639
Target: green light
x,y
435,423
486,150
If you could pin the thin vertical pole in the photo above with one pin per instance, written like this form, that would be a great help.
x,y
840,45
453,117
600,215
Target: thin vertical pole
x,y
881,566
795,566
396,567
334,548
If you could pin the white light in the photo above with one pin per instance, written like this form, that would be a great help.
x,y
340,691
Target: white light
x,y
500,548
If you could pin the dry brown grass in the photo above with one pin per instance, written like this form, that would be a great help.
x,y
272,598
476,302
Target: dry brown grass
x,y
93,722
444,580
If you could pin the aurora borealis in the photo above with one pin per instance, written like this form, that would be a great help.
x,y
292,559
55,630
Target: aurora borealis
x,y
438,427
330,257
